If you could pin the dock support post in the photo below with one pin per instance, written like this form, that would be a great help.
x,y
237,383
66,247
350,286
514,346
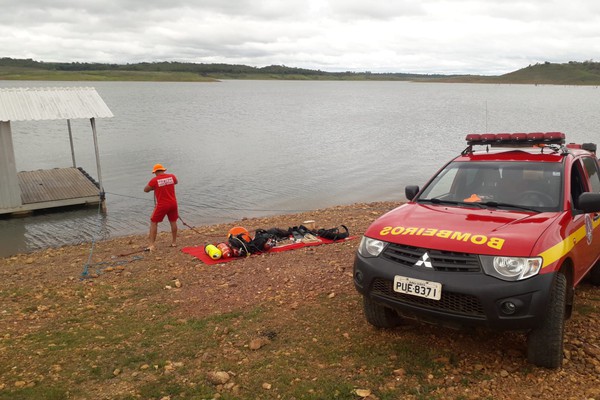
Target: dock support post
x,y
102,194
10,193
71,141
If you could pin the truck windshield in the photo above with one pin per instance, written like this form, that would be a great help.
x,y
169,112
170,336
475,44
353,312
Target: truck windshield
x,y
526,185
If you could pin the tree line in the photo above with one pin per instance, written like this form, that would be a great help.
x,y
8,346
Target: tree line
x,y
202,69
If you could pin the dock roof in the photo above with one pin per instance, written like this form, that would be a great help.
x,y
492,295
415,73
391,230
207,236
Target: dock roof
x,y
28,104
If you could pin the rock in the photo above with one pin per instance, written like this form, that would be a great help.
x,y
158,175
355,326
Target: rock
x,y
362,392
266,386
218,377
257,343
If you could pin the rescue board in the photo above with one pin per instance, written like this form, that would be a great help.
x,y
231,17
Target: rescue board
x,y
199,253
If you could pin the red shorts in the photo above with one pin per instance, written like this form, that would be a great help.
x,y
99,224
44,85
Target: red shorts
x,y
170,210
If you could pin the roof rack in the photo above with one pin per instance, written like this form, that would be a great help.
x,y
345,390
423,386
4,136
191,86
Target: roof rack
x,y
521,139
540,139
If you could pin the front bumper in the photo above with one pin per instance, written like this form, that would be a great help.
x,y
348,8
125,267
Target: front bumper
x,y
468,298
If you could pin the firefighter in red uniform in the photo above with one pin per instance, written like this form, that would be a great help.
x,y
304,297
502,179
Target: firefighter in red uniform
x,y
163,185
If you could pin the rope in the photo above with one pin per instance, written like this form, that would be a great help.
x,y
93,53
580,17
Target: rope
x,y
215,207
191,227
84,274
86,267
111,264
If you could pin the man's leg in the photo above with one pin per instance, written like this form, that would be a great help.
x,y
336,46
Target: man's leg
x,y
173,233
152,235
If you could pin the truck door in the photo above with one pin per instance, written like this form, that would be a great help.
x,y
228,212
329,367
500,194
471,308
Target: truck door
x,y
584,227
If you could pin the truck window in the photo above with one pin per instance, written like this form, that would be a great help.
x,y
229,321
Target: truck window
x,y
591,167
526,184
577,182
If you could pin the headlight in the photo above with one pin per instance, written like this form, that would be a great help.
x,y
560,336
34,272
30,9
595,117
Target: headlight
x,y
370,247
511,268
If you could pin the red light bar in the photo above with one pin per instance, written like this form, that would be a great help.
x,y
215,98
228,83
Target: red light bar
x,y
512,139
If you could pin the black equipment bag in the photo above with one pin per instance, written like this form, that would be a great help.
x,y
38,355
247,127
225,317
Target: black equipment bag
x,y
334,233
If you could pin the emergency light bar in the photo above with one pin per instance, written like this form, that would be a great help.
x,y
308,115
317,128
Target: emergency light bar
x,y
516,139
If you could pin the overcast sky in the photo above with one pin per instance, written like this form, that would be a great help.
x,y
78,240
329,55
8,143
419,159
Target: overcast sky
x,y
487,37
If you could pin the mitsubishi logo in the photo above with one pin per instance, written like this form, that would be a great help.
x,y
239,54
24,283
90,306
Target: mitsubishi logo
x,y
424,261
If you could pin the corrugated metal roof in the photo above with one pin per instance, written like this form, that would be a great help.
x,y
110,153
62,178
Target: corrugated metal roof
x,y
26,104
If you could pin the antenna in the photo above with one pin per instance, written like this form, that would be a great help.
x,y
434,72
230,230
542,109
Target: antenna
x,y
486,116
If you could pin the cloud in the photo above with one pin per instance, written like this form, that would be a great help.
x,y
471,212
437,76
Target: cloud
x,y
428,36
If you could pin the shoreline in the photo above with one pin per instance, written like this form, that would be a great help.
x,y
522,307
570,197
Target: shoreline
x,y
187,235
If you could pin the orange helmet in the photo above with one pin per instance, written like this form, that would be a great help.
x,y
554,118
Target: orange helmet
x,y
237,231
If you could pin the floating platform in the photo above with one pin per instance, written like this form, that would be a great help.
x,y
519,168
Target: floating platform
x,y
57,187
23,192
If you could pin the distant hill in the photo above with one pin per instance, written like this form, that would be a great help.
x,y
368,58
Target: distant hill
x,y
28,69
571,73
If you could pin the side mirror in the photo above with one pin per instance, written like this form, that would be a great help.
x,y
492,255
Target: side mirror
x,y
411,191
589,202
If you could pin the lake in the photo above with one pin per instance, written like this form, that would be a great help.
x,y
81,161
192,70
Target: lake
x,y
256,148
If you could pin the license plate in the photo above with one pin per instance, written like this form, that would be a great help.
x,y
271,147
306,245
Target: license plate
x,y
418,287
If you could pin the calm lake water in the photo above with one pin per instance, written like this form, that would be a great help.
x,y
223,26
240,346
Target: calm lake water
x,y
255,148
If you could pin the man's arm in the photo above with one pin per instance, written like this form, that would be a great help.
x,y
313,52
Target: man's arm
x,y
148,188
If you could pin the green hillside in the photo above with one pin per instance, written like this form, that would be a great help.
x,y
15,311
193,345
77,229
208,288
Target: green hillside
x,y
27,69
571,73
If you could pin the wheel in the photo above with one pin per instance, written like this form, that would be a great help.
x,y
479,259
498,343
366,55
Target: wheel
x,y
535,198
380,316
545,343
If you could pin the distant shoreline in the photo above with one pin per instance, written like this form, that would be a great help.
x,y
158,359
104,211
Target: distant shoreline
x,y
573,73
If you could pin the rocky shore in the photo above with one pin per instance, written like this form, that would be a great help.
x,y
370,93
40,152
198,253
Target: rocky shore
x,y
129,324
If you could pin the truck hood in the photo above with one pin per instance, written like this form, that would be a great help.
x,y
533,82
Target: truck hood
x,y
457,229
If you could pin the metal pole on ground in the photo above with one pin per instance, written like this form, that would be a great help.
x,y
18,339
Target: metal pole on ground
x,y
102,195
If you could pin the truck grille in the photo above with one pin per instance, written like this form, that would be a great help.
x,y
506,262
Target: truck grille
x,y
455,303
448,261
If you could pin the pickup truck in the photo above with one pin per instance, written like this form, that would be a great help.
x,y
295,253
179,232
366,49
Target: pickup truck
x,y
499,237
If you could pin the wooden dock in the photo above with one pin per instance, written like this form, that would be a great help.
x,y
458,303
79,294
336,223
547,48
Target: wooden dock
x,y
57,187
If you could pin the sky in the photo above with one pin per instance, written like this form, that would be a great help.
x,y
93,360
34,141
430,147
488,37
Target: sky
x,y
481,37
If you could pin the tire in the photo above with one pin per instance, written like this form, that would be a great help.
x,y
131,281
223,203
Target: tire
x,y
380,316
545,343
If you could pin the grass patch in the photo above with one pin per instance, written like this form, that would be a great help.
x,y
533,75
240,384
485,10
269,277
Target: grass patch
x,y
138,343
15,73
36,392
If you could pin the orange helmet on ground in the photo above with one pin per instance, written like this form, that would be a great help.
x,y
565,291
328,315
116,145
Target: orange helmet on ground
x,y
237,231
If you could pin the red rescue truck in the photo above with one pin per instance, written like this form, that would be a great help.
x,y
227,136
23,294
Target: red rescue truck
x,y
499,237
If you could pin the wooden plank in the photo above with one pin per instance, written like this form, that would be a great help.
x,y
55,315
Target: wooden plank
x,y
55,185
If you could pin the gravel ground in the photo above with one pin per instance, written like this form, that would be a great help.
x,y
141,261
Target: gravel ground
x,y
484,364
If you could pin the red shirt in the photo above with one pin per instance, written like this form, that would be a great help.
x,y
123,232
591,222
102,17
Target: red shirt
x,y
164,189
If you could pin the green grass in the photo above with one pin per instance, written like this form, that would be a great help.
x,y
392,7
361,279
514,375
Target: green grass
x,y
144,347
15,73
